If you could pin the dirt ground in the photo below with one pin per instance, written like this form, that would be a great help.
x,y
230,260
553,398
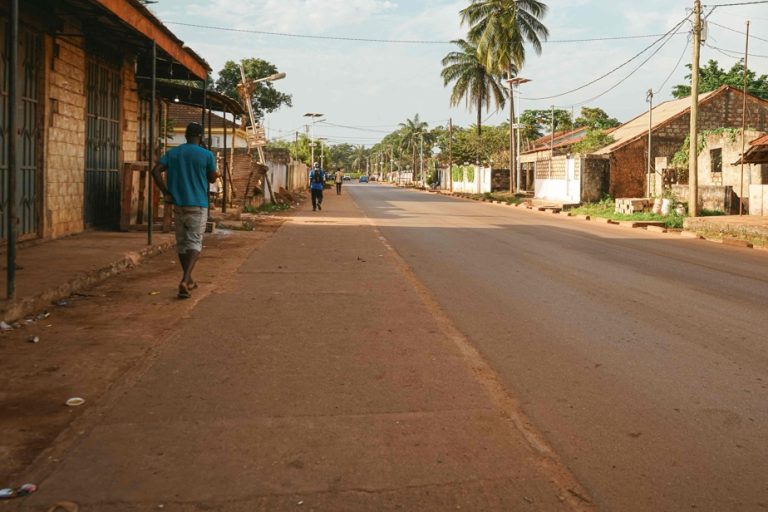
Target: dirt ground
x,y
98,338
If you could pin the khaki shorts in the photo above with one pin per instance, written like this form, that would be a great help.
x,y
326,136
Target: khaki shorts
x,y
190,226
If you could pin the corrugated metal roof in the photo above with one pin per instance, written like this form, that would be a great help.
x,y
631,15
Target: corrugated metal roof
x,y
638,126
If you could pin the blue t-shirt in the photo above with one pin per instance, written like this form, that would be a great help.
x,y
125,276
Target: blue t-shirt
x,y
188,167
312,183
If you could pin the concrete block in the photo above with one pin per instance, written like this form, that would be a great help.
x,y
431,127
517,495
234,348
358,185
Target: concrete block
x,y
656,229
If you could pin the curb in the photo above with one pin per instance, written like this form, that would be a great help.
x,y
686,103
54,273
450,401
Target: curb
x,y
642,225
11,312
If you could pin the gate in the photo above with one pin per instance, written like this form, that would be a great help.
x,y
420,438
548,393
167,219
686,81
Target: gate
x,y
28,77
102,146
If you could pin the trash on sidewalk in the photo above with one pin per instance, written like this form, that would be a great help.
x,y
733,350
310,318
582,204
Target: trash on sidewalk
x,y
5,327
34,339
24,490
62,303
154,293
75,401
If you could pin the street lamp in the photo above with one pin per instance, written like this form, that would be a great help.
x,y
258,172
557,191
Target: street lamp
x,y
436,153
515,124
315,117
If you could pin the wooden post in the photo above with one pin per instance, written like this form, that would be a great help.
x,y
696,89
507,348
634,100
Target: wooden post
x,y
226,166
693,150
744,123
13,161
150,184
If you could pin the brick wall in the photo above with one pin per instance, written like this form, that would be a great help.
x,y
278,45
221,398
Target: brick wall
x,y
65,157
130,114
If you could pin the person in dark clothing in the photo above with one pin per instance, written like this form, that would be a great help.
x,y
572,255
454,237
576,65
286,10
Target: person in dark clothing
x,y
316,185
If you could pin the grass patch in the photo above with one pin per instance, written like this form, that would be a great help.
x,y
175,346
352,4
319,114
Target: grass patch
x,y
606,209
266,208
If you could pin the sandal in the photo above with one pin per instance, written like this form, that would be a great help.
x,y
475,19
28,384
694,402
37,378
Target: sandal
x,y
183,292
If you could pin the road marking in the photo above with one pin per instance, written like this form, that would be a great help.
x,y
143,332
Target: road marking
x,y
570,490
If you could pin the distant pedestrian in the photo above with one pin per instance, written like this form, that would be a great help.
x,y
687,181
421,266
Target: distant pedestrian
x,y
316,184
339,178
190,169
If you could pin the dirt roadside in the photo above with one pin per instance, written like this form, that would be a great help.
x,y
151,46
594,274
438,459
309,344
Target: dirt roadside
x,y
99,338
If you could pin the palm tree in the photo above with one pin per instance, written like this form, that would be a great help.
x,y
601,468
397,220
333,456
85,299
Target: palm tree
x,y
473,82
412,132
359,155
500,29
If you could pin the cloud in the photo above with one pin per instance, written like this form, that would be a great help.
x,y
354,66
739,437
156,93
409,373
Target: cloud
x,y
294,16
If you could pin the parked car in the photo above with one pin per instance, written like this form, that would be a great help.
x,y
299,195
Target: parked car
x,y
363,179
372,178
346,178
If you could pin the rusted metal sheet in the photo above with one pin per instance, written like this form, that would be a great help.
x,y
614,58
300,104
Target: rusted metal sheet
x,y
154,30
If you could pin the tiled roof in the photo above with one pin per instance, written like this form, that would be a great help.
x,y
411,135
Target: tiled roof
x,y
760,141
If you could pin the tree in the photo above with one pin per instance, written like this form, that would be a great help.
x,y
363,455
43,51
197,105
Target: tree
x,y
266,99
501,28
595,119
472,81
413,135
713,76
592,141
359,157
538,122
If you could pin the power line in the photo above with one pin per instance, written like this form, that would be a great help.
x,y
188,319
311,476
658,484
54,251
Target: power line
x,y
614,86
734,54
737,3
682,56
752,36
392,41
667,35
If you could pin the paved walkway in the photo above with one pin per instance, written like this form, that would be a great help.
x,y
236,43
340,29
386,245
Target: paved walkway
x,y
323,380
54,269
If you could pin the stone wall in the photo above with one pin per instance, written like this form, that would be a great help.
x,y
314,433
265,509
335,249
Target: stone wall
x,y
721,199
65,138
594,179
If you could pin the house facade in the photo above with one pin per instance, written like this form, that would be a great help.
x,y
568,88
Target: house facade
x,y
669,124
83,113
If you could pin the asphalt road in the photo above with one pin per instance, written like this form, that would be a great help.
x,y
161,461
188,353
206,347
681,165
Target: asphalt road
x,y
641,358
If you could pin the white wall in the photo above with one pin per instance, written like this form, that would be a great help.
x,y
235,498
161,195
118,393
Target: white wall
x,y
480,183
565,190
758,200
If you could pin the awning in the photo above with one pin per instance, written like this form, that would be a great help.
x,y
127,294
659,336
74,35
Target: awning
x,y
128,24
193,96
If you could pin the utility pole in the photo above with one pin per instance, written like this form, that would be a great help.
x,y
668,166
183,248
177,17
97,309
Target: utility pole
x,y
744,123
693,150
649,98
512,159
450,153
421,159
552,142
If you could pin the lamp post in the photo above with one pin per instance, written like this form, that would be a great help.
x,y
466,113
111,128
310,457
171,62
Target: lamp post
x,y
436,153
514,83
315,118
322,151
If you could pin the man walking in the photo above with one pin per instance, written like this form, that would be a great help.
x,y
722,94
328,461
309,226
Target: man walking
x,y
339,178
190,169
316,184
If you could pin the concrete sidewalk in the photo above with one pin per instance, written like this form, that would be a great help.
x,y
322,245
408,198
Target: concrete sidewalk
x,y
321,378
51,270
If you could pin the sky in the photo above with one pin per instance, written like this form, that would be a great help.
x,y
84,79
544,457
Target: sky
x,y
370,87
